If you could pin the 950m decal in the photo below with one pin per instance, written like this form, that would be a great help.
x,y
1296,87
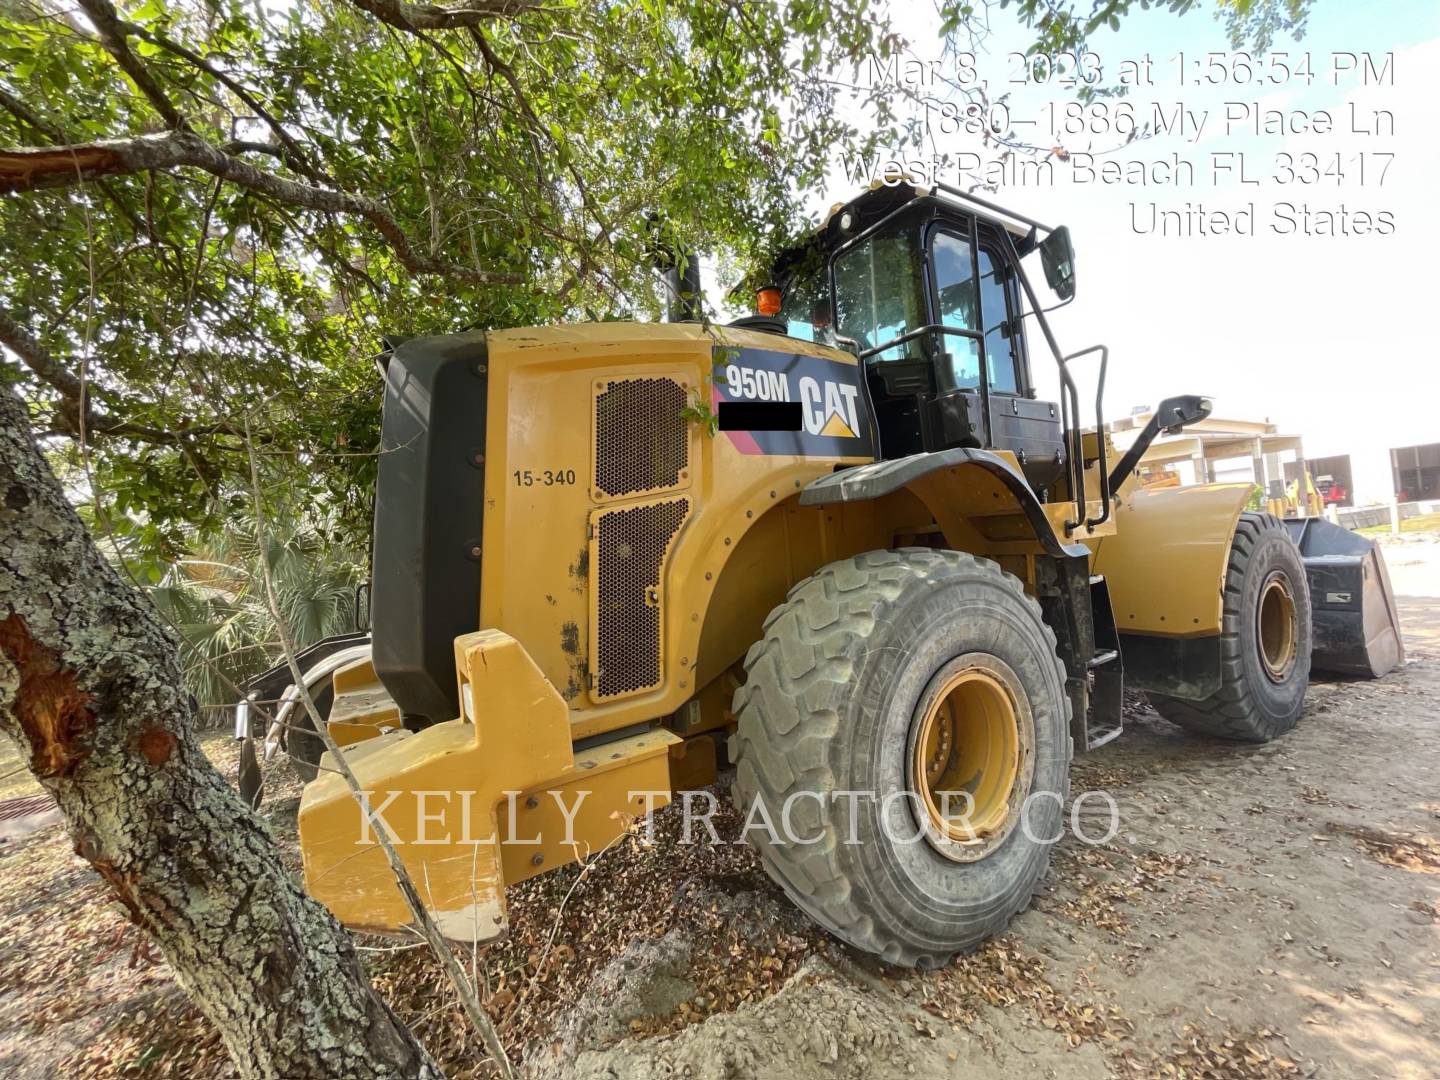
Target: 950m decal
x,y
791,403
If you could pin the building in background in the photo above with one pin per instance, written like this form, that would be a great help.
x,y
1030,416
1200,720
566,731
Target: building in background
x,y
1333,479
1226,450
1416,472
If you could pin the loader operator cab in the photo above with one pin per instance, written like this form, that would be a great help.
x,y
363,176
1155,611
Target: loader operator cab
x,y
925,290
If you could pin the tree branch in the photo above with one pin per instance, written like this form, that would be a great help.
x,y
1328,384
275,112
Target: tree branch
x,y
37,358
45,367
407,16
28,117
295,157
236,147
112,36
33,169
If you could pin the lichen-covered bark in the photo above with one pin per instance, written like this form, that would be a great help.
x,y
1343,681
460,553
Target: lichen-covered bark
x,y
90,684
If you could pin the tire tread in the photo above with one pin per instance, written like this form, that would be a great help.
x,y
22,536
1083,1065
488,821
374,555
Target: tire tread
x,y
809,655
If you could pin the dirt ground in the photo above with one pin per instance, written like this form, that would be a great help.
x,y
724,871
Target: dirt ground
x,y
1268,911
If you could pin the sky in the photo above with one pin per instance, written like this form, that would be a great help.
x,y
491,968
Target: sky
x,y
1328,337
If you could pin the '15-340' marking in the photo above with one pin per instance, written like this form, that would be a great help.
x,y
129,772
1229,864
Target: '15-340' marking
x,y
545,478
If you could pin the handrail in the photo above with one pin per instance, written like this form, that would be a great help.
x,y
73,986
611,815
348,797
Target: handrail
x,y
960,193
932,200
1070,417
983,349
1069,413
958,331
1104,352
921,331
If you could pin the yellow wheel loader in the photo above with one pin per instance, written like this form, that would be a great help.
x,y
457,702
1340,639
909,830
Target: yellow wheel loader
x,y
840,544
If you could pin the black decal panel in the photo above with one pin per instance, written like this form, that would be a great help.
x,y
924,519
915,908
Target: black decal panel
x,y
760,416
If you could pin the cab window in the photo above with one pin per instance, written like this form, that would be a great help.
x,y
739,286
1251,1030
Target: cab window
x,y
996,307
986,311
959,307
878,295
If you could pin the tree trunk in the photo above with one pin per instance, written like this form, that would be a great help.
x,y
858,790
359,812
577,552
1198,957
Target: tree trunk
x,y
90,684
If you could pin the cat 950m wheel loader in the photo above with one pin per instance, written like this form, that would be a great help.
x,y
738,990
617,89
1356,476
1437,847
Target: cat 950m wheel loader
x,y
841,544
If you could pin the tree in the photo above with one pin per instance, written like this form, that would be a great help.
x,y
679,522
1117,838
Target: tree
x,y
1064,25
227,205
91,689
232,203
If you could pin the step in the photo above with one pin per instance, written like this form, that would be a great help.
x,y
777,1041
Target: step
x,y
1099,736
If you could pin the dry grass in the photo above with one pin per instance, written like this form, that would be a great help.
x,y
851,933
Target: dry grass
x,y
87,994
1418,854
1203,1055
636,889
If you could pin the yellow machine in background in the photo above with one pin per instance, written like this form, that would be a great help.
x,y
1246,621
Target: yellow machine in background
x,y
841,546
1310,504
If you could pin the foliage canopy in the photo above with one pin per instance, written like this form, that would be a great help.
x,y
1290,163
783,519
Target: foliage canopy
x,y
217,208
249,195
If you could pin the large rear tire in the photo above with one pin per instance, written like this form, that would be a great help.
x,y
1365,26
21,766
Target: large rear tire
x,y
303,745
910,677
1264,642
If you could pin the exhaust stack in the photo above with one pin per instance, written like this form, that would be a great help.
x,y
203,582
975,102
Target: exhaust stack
x,y
680,270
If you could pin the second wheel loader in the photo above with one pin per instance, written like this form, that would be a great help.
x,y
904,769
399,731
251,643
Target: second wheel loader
x,y
842,544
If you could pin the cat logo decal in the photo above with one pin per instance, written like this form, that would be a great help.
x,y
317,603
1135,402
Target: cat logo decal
x,y
832,420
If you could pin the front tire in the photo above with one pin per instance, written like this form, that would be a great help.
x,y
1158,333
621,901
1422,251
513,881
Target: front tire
x,y
1264,642
909,677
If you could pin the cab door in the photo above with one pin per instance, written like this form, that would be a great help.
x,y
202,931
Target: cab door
x,y
985,397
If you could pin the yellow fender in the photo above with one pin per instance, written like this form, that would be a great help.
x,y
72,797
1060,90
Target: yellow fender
x,y
1165,565
1165,573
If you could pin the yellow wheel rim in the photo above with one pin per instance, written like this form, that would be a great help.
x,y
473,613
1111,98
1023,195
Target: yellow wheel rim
x,y
970,755
1275,626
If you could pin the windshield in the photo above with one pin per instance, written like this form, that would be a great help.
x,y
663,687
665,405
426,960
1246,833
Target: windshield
x,y
877,291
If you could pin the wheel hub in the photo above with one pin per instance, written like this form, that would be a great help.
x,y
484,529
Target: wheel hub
x,y
970,756
1275,626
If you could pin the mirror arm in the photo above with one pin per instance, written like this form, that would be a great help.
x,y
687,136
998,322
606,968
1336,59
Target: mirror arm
x,y
1180,412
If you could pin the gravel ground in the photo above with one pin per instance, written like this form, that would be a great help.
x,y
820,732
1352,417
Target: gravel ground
x,y
1266,911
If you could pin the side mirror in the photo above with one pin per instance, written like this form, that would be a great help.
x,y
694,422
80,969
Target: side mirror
x,y
1058,258
1175,414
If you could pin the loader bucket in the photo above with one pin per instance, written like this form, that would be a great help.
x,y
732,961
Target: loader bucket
x,y
1356,626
